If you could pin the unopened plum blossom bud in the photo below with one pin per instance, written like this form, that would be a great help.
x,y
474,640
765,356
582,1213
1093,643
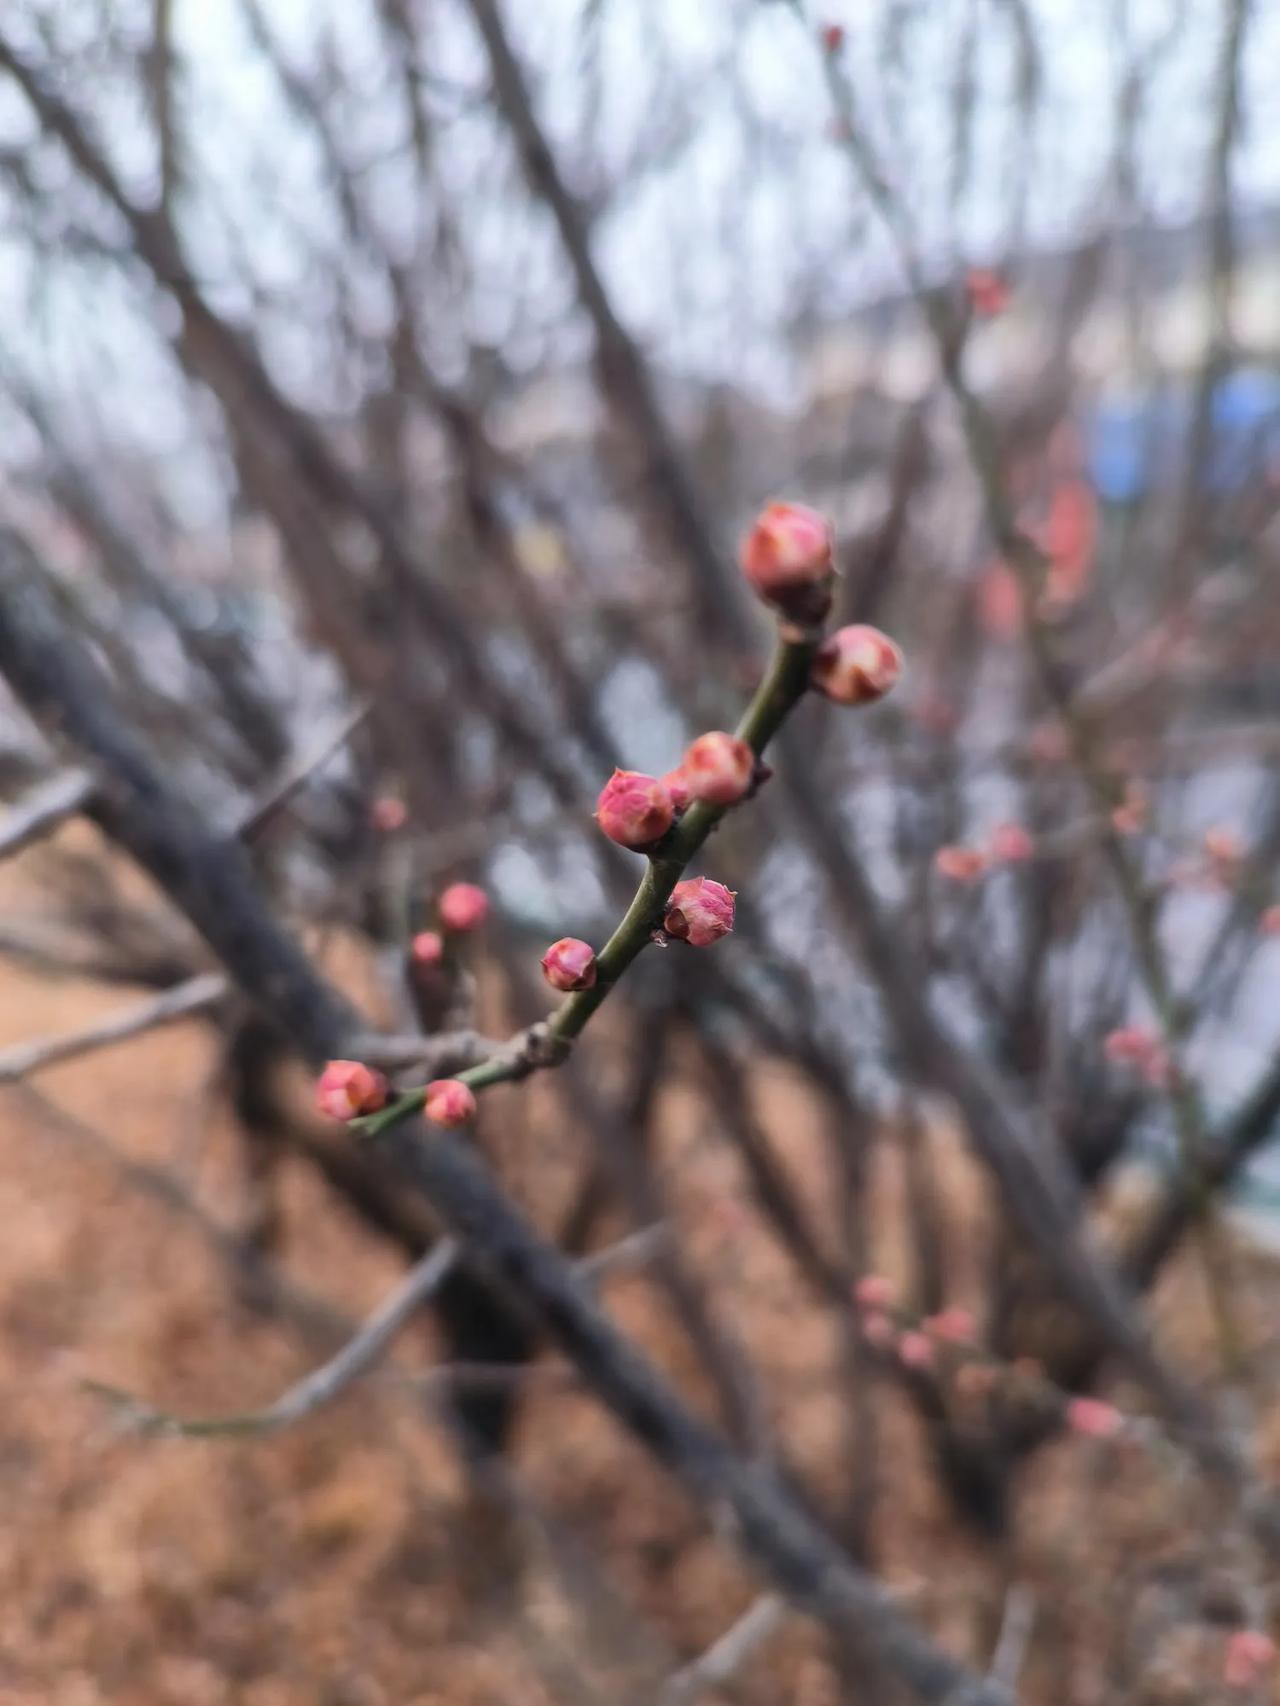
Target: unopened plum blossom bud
x,y
1094,1418
718,768
347,1088
877,1329
987,292
856,665
699,912
449,1102
1133,813
634,809
1223,846
427,948
388,815
833,37
955,1326
677,785
569,964
873,1291
788,557
959,864
1140,1048
1249,1655
1269,923
915,1351
463,907
1011,844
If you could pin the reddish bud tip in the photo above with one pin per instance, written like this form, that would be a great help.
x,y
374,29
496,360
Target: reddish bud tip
x,y
915,1351
347,1088
1093,1418
463,906
449,1102
856,665
699,912
877,1329
569,964
1011,844
1133,813
959,864
427,948
873,1291
388,815
955,1326
833,37
1223,846
634,809
1138,1047
718,768
1249,1654
987,292
1269,923
788,557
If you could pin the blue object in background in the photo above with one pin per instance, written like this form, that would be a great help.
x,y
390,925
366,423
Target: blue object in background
x,y
1137,445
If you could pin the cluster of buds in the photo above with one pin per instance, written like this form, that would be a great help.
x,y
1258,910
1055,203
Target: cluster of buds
x,y
1008,844
346,1089
1139,1048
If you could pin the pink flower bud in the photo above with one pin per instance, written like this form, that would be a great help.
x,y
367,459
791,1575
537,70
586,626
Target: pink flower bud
x,y
569,964
959,864
788,557
1269,923
856,665
987,292
427,948
347,1088
1093,1418
634,809
1011,844
877,1329
718,768
1133,813
388,815
699,912
1223,846
873,1291
1140,1048
955,1326
449,1102
832,37
1249,1655
915,1351
463,907
677,785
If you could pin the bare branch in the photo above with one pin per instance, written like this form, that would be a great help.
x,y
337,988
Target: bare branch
x,y
43,810
725,1657
197,995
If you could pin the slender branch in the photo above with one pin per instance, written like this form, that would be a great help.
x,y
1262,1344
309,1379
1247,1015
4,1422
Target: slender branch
x,y
323,1385
40,812
196,995
1015,1635
547,1043
276,794
725,1657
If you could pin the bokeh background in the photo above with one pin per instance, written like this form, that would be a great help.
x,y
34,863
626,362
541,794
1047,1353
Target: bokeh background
x,y
385,386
